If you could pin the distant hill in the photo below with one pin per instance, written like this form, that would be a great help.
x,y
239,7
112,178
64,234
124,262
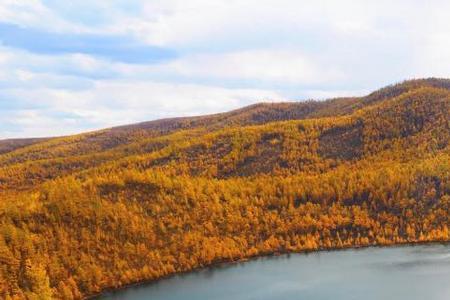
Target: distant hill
x,y
84,213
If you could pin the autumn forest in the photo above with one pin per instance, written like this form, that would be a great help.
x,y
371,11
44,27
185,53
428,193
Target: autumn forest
x,y
100,210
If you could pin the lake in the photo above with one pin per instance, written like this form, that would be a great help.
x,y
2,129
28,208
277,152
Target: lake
x,y
408,272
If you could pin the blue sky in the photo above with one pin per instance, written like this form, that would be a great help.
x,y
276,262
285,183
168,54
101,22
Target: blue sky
x,y
72,66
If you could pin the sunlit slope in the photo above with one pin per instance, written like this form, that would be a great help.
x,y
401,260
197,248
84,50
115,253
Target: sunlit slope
x,y
100,210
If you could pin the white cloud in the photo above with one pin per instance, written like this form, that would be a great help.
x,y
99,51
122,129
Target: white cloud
x,y
187,23
432,57
278,66
281,67
34,14
24,75
47,70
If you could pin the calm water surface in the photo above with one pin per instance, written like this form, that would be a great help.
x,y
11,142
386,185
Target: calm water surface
x,y
412,273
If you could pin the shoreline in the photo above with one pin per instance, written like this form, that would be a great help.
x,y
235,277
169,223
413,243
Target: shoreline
x,y
246,259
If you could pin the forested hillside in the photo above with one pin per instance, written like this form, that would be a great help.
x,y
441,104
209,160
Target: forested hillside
x,y
104,209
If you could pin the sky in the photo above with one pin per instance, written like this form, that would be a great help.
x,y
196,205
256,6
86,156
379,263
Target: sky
x,y
73,66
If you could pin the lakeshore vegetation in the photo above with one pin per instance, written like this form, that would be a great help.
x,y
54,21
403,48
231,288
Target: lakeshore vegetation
x,y
100,210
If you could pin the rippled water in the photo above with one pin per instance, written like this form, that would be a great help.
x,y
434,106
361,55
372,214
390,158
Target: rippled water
x,y
419,272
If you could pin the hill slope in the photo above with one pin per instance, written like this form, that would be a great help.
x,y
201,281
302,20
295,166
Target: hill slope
x,y
100,210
